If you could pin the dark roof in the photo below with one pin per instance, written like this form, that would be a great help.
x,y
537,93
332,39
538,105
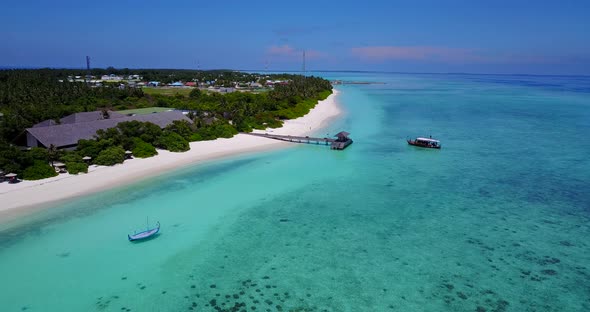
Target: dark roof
x,y
70,134
89,116
342,134
79,117
45,123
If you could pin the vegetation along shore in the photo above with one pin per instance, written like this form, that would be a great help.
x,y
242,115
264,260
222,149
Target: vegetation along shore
x,y
78,119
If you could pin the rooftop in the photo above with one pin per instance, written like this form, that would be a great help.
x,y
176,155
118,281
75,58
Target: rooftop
x,y
69,134
144,111
79,117
427,140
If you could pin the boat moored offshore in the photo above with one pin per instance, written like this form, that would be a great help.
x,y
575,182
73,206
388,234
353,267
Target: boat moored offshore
x,y
425,142
148,233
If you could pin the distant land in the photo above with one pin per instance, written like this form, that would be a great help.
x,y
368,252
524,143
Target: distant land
x,y
65,115
311,71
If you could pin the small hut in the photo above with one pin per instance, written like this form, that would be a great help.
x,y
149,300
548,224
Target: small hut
x,y
128,154
11,177
59,167
86,159
342,136
342,141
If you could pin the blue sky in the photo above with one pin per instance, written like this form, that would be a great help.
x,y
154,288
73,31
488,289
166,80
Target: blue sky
x,y
530,37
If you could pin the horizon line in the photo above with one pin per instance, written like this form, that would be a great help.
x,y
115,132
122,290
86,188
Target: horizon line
x,y
298,71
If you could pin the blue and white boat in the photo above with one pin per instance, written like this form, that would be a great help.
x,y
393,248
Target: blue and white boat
x,y
145,234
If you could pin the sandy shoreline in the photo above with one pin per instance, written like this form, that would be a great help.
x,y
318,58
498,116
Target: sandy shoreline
x,y
28,196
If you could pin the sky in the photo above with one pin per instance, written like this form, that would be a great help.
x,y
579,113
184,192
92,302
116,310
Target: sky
x,y
433,36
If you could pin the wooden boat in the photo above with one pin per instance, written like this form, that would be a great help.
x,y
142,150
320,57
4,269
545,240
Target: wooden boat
x,y
145,234
425,142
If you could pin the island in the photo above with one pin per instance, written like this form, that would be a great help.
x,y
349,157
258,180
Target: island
x,y
62,120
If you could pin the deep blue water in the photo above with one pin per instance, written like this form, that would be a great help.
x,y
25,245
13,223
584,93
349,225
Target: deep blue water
x,y
497,220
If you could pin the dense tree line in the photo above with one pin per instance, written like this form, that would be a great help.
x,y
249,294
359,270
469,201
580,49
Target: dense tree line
x,y
222,77
30,96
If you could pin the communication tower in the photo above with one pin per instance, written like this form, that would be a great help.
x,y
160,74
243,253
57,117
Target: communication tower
x,y
88,76
303,67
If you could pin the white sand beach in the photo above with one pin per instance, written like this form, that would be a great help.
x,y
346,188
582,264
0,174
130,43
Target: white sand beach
x,y
26,196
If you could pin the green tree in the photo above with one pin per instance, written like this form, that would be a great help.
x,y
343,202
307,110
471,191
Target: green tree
x,y
39,170
143,149
151,132
53,153
110,156
173,142
182,127
92,148
71,157
76,167
13,160
38,153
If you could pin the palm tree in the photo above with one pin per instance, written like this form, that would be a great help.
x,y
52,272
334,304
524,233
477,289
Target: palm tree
x,y
105,113
52,153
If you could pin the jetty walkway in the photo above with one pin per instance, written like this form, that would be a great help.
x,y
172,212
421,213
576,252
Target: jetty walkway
x,y
341,142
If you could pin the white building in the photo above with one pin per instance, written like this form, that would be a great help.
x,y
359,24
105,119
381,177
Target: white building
x,y
111,77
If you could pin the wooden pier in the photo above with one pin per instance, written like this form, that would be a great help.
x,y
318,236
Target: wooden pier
x,y
341,142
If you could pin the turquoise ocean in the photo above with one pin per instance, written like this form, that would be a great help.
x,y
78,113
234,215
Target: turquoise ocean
x,y
497,220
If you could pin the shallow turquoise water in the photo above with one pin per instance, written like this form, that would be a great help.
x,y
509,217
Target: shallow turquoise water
x,y
497,220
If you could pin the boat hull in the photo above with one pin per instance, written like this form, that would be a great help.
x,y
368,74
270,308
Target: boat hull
x,y
144,235
413,143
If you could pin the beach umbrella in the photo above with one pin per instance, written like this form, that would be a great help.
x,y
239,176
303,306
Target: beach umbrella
x,y
86,158
11,175
128,152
